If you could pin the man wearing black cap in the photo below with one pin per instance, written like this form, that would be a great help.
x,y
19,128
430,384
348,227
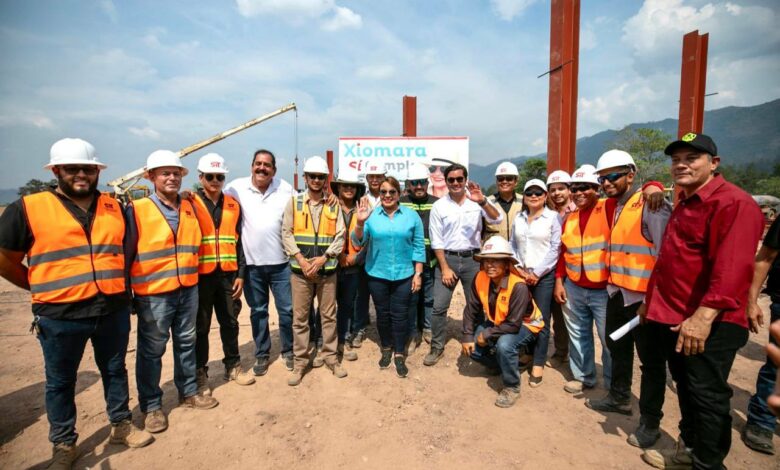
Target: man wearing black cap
x,y
694,311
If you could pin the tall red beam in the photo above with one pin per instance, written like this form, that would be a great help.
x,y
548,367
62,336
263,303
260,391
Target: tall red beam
x,y
329,159
564,68
693,80
410,116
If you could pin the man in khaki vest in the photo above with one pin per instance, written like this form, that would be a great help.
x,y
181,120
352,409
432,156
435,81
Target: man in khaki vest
x,y
506,200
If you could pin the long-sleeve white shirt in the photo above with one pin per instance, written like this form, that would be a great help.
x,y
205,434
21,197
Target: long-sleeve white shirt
x,y
536,245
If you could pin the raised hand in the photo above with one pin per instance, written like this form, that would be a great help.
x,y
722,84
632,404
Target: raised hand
x,y
364,210
475,192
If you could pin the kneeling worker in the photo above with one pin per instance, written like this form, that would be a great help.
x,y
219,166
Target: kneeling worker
x,y
500,317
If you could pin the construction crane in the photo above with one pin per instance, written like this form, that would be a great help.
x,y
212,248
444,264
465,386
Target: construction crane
x,y
127,183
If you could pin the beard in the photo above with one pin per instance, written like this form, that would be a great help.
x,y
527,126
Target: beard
x,y
73,193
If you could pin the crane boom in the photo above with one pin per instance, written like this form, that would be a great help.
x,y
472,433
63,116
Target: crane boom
x,y
122,183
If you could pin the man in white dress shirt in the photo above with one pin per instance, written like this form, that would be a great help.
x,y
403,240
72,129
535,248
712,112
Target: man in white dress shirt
x,y
455,232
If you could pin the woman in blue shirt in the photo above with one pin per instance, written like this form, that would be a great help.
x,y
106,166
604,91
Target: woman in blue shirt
x,y
395,253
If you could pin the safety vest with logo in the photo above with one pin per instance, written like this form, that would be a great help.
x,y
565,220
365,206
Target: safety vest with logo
x,y
165,260
502,228
424,211
587,250
313,241
67,264
631,256
218,244
533,322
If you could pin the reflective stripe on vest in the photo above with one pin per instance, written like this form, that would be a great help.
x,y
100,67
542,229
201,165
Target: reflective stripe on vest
x,y
427,207
533,322
66,265
218,245
311,242
631,256
165,261
587,251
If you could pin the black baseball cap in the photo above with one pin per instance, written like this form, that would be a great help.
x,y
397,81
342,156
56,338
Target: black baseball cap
x,y
700,142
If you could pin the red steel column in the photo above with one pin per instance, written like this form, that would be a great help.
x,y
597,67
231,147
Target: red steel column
x,y
410,116
564,68
329,159
693,80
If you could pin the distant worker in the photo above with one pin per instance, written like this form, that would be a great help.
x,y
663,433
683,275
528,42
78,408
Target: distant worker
x,y
163,239
421,305
73,239
220,271
500,317
313,236
455,230
375,175
506,200
694,308
263,198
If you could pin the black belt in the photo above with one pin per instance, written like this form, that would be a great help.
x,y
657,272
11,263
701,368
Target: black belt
x,y
462,254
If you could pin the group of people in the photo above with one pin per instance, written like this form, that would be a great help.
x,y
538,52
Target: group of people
x,y
555,260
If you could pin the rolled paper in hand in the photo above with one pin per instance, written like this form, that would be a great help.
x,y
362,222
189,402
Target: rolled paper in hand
x,y
620,332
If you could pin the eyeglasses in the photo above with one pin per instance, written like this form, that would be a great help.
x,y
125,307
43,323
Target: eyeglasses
x,y
506,179
418,182
456,179
211,176
612,177
580,189
316,177
387,192
534,193
73,170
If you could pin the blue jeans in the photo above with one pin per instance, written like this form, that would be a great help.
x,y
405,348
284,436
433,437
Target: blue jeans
x,y
758,411
160,317
391,300
257,280
466,270
63,343
421,304
582,309
360,318
347,285
542,294
503,353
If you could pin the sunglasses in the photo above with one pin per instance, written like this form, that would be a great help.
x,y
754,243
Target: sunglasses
x,y
74,170
388,192
346,186
418,182
434,169
506,179
317,177
612,177
580,189
211,176
456,179
534,193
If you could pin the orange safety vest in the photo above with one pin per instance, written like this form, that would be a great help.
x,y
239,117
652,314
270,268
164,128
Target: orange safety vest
x,y
631,256
534,322
350,222
218,245
66,264
587,250
165,260
311,242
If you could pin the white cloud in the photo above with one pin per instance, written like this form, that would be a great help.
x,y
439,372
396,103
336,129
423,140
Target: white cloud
x,y
293,11
145,132
509,9
109,9
343,18
376,72
33,119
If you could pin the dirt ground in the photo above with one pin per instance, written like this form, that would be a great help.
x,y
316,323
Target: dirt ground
x,y
439,417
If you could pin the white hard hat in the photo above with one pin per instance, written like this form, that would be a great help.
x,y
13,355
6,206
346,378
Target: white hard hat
x,y
558,176
507,169
535,182
615,158
348,175
375,169
496,247
161,158
417,171
70,151
316,165
585,174
212,163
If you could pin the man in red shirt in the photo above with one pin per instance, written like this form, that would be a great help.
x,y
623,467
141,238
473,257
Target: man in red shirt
x,y
694,309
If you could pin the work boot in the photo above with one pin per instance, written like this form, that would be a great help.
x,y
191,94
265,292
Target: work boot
x,y
62,456
427,335
387,357
345,351
318,361
127,434
507,397
644,436
357,340
758,438
295,378
261,366
238,375
400,366
609,405
576,386
155,421
679,458
339,371
202,378
433,357
289,361
197,401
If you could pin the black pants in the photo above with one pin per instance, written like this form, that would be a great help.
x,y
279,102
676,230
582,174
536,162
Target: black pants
x,y
703,392
214,293
622,350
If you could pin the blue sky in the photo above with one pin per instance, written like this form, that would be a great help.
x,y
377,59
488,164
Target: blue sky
x,y
135,76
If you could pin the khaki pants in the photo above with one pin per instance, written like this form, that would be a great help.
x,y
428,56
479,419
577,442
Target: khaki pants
x,y
303,292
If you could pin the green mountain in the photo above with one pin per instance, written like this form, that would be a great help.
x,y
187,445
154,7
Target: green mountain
x,y
744,135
